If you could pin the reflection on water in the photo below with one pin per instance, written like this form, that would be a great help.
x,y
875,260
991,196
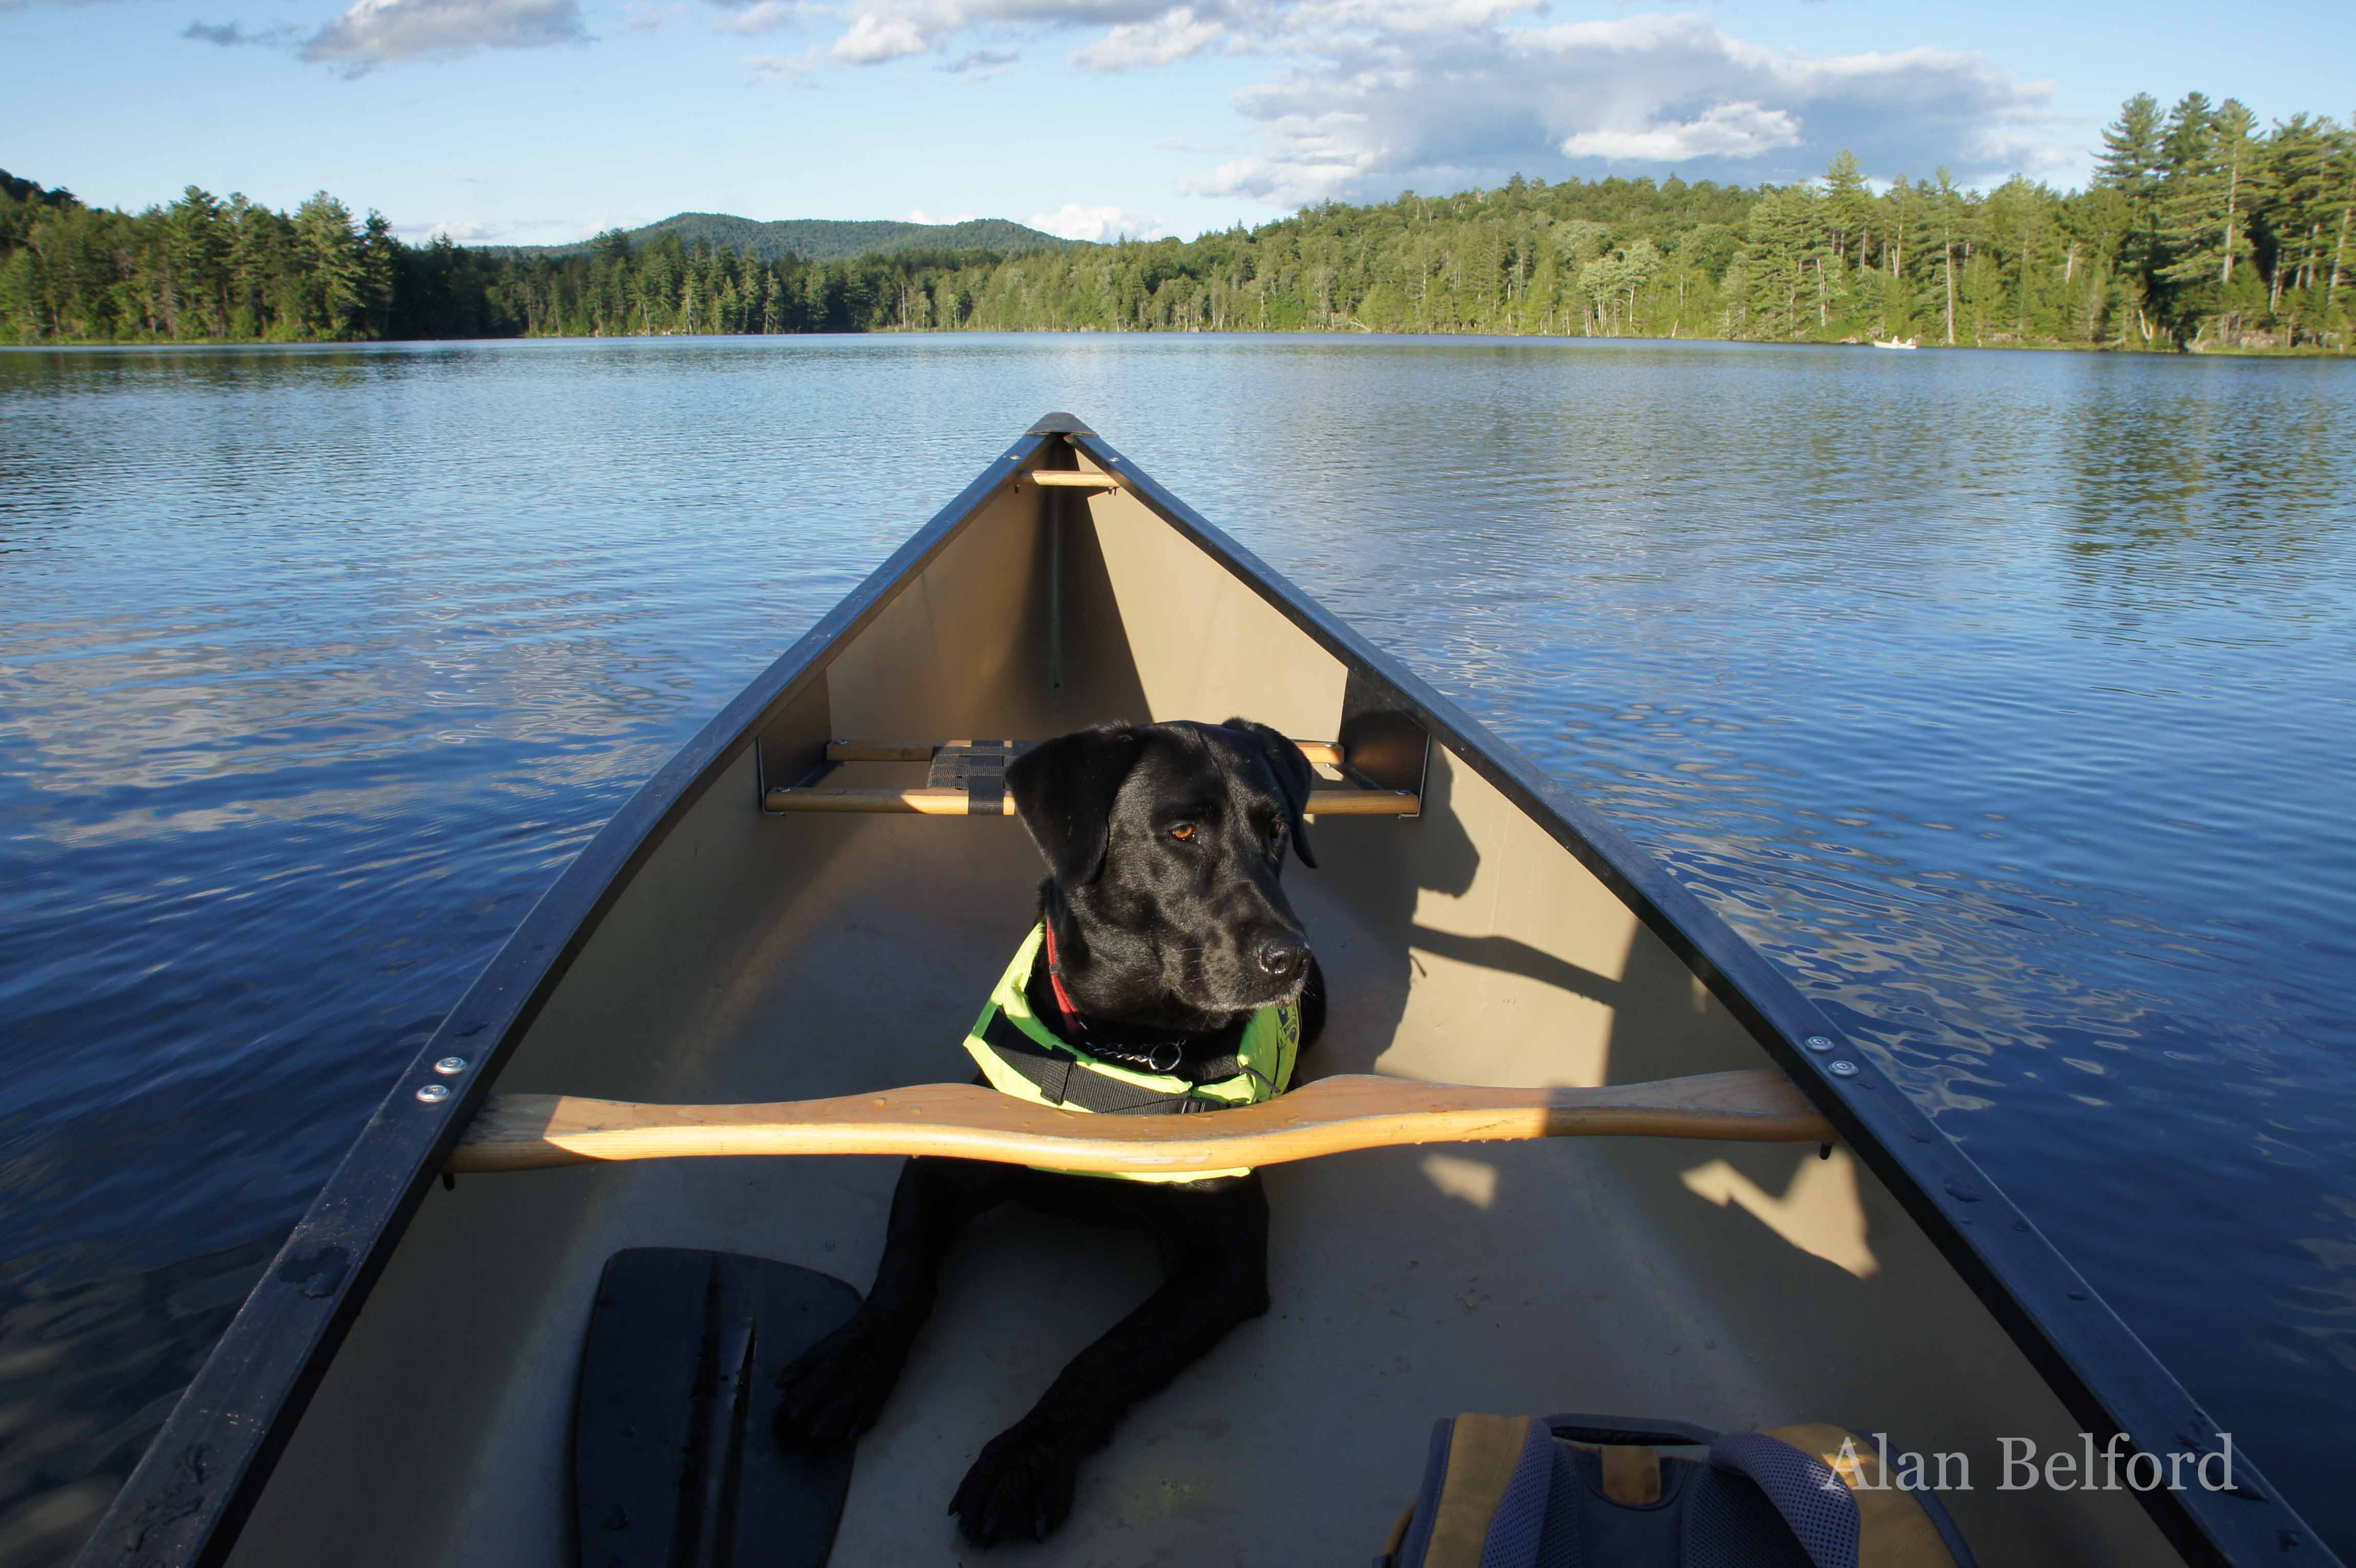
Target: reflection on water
x,y
2004,700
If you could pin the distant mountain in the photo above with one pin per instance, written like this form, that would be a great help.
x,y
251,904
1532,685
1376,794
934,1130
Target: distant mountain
x,y
826,239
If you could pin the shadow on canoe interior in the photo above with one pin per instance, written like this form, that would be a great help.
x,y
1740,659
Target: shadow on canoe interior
x,y
758,956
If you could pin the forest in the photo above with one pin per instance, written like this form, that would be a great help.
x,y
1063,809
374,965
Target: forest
x,y
2199,231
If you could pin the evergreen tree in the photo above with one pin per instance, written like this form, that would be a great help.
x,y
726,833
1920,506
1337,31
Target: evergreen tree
x,y
1849,205
1949,225
2132,163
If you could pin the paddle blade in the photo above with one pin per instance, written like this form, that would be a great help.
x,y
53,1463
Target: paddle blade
x,y
673,1459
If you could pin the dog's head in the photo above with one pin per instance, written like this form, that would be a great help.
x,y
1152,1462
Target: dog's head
x,y
1164,844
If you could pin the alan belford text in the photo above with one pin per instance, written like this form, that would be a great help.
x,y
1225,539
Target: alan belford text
x,y
2112,1465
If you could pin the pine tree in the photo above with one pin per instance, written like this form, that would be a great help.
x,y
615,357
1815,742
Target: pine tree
x,y
1950,219
2343,187
1896,222
2300,174
2203,211
1849,204
2185,142
334,286
375,274
2018,223
2132,162
195,252
2237,152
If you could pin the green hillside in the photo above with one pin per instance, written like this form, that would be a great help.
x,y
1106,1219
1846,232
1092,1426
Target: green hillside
x,y
830,240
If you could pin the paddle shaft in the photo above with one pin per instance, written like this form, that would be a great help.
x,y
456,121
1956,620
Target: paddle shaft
x,y
1330,1116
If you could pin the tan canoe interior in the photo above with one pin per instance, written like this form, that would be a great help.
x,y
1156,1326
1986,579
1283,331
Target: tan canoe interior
x,y
762,957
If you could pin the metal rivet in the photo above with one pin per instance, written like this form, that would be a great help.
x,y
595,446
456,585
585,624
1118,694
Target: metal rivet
x,y
1843,1069
1817,1043
435,1093
450,1067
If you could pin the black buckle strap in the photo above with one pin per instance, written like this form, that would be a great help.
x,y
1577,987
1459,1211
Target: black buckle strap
x,y
1062,1081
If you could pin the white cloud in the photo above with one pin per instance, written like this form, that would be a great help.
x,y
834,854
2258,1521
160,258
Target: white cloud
x,y
463,231
379,32
1074,222
884,30
1367,109
1370,96
783,71
919,215
1410,16
874,39
1173,35
233,34
980,65
1725,130
766,16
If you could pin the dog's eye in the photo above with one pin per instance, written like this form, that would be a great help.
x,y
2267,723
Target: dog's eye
x,y
1183,830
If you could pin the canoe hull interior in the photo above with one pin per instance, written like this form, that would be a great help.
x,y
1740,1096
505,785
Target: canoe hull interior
x,y
759,957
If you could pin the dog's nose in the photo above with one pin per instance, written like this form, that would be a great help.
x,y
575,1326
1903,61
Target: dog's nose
x,y
1284,956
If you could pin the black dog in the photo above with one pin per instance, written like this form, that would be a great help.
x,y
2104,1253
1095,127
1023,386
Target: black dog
x,y
1166,934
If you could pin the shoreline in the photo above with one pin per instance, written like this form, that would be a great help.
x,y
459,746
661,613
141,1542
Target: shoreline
x,y
2299,351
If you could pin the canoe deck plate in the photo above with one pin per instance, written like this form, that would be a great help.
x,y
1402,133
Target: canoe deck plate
x,y
673,1459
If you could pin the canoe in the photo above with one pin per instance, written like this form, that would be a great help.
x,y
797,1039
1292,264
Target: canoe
x,y
781,916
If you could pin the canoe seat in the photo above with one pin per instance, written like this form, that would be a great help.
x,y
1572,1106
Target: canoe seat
x,y
1596,1491
967,779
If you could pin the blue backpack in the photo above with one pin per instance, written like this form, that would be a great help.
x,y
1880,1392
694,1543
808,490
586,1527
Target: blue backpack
x,y
1594,1491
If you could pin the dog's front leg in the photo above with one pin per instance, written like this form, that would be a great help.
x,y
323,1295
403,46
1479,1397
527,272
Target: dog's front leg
x,y
836,1389
1214,1248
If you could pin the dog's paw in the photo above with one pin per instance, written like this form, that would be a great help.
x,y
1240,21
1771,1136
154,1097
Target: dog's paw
x,y
1021,1487
836,1389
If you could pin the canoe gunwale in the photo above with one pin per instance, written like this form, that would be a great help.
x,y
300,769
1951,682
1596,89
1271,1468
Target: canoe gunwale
x,y
207,1468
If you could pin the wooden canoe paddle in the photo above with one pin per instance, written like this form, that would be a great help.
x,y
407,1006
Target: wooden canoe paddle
x,y
1330,1116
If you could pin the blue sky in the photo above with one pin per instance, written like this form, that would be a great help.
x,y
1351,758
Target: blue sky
x,y
536,121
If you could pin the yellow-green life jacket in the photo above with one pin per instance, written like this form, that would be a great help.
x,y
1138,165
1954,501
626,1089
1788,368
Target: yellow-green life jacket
x,y
1022,1057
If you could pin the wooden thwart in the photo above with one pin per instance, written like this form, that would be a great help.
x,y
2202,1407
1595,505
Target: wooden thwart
x,y
1330,1116
1324,752
1069,479
966,779
931,802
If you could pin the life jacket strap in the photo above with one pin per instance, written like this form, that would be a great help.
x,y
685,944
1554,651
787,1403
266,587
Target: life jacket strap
x,y
1061,1079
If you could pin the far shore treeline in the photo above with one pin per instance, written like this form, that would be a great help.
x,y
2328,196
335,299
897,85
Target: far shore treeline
x,y
2201,230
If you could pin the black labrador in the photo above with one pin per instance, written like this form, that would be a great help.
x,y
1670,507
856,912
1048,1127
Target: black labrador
x,y
1164,844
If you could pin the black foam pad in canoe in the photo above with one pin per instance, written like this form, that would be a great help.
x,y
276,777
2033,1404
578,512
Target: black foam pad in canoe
x,y
674,1464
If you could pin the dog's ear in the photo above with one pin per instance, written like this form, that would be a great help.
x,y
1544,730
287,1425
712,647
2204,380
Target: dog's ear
x,y
1064,788
1293,780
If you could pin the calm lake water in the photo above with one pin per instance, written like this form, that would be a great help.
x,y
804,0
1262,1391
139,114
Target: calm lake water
x,y
2009,701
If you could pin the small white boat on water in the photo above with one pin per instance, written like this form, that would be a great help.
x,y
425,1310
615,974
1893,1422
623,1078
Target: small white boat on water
x,y
1895,343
